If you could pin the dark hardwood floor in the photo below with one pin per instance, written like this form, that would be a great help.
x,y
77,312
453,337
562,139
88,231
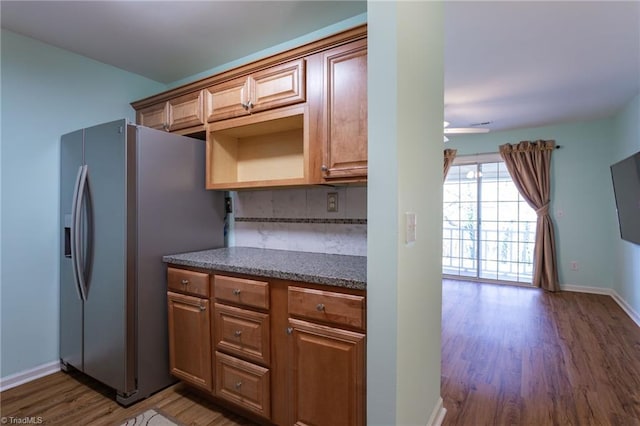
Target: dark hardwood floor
x,y
510,356
522,356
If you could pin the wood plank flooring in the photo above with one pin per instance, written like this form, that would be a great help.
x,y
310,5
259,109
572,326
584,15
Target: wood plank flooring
x,y
74,399
522,356
510,356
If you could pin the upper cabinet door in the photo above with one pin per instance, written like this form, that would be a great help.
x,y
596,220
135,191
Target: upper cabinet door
x,y
270,88
154,116
185,111
278,86
228,99
345,111
178,113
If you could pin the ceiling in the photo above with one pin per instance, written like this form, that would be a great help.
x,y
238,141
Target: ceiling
x,y
170,40
530,63
514,64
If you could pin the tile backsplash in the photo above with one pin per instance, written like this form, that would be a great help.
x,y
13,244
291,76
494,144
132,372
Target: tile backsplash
x,y
297,219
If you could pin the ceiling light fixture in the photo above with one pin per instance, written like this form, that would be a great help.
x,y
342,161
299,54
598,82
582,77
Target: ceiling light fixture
x,y
465,130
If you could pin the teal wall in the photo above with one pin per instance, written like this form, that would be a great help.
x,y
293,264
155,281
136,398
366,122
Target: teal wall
x,y
46,92
582,197
625,142
382,215
404,284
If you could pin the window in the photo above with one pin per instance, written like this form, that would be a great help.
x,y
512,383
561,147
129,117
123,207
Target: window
x,y
488,228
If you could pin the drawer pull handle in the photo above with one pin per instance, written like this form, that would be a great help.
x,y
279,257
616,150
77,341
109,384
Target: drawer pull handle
x,y
238,333
185,282
236,292
238,385
320,307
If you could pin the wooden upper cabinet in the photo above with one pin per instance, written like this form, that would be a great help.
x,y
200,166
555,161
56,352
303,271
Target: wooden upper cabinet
x,y
261,150
298,117
175,114
278,86
345,111
185,111
154,116
227,100
272,87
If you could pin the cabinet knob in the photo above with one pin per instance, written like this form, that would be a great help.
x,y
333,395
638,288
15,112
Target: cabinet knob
x,y
324,168
245,105
185,282
238,385
249,105
236,292
289,330
320,307
203,308
165,126
238,333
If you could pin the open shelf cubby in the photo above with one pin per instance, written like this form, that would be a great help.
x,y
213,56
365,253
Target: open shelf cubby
x,y
268,147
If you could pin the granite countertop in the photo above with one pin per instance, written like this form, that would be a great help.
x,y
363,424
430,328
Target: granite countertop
x,y
318,268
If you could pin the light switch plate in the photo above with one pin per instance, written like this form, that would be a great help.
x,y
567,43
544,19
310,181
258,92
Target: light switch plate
x,y
410,231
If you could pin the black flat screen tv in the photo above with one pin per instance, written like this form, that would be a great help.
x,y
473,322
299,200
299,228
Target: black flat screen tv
x,y
626,186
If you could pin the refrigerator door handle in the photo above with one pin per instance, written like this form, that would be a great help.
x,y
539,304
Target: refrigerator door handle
x,y
76,234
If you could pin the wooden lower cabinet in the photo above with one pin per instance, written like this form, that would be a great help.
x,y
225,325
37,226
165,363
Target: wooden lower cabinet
x,y
190,340
327,386
281,352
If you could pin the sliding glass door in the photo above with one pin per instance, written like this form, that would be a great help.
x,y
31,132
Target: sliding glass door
x,y
488,228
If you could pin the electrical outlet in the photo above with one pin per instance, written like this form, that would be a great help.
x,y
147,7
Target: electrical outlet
x,y
574,265
332,202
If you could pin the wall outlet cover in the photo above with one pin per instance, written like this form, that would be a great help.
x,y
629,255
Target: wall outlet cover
x,y
332,202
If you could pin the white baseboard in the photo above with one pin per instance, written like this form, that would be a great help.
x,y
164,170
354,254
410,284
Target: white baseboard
x,y
437,415
584,289
28,375
628,309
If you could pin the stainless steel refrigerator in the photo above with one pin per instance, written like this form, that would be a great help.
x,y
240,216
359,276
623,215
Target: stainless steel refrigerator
x,y
128,195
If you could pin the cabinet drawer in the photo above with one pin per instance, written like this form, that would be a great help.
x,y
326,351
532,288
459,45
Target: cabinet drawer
x,y
326,306
242,332
242,291
243,383
184,281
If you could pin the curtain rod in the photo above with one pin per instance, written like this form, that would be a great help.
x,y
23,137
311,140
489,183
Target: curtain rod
x,y
492,153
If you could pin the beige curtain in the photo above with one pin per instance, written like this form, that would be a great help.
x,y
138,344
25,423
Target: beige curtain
x,y
449,155
529,165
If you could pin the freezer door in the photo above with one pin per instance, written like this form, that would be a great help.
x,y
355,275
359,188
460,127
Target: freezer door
x,y
175,214
71,159
107,321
